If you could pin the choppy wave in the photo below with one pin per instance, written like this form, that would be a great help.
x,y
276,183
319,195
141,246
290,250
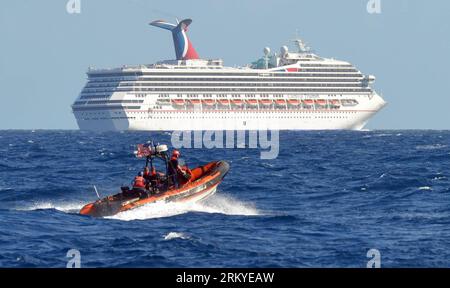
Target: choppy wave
x,y
431,147
326,200
219,204
68,207
176,235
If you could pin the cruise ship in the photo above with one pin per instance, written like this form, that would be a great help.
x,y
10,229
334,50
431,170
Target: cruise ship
x,y
296,90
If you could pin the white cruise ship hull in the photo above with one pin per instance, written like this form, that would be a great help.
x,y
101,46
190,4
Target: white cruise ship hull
x,y
179,120
236,121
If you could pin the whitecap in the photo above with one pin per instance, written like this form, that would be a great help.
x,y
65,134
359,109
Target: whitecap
x,y
431,147
176,235
382,175
382,135
425,188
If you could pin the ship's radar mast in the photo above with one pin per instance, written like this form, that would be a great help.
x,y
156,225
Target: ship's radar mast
x,y
301,46
266,57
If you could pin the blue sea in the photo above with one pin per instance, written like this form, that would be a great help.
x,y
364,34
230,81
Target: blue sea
x,y
325,201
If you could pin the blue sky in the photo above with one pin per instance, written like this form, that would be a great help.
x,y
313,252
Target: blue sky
x,y
45,51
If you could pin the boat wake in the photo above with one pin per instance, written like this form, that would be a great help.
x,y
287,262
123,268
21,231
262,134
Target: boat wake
x,y
73,207
218,204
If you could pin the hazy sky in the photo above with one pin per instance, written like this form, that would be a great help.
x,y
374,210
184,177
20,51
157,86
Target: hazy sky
x,y
45,51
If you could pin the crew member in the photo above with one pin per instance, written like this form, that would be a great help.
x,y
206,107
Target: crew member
x,y
153,176
153,179
139,184
146,174
176,172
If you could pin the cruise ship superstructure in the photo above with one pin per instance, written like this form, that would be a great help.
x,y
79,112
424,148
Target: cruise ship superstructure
x,y
281,91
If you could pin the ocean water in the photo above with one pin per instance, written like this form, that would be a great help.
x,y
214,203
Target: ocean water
x,y
325,201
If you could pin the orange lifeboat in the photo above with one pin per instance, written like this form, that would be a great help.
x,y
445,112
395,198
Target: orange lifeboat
x,y
294,102
237,102
321,102
178,102
209,102
280,102
195,101
265,102
224,101
335,102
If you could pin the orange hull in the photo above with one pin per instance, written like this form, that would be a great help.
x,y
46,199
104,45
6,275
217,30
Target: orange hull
x,y
203,183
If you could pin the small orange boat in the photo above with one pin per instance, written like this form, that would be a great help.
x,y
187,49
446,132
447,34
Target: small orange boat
x,y
203,182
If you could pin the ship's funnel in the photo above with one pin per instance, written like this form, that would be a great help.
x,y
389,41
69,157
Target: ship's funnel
x,y
183,46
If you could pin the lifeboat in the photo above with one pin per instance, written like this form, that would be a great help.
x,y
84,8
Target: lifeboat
x,y
294,102
178,102
195,101
252,102
280,102
265,102
203,182
335,102
209,102
224,102
321,102
349,102
308,102
237,102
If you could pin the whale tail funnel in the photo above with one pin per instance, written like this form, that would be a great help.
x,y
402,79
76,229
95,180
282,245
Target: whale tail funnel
x,y
183,46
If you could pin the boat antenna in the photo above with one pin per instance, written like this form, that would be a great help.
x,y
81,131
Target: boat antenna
x,y
150,144
96,192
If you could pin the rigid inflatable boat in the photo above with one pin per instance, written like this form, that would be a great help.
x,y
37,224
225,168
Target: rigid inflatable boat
x,y
202,183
